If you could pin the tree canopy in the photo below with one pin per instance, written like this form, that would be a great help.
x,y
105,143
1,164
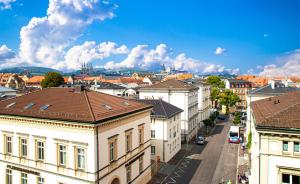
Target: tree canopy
x,y
52,79
215,81
229,99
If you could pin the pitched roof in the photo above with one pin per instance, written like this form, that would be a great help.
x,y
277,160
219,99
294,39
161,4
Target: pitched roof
x,y
172,84
5,89
239,81
278,90
285,114
35,79
68,105
162,109
107,85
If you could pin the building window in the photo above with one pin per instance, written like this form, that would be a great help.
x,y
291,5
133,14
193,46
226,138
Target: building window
x,y
128,174
152,133
8,145
141,134
80,158
152,150
40,180
112,147
62,155
9,176
141,164
24,178
290,179
170,133
128,141
296,147
285,146
40,150
24,147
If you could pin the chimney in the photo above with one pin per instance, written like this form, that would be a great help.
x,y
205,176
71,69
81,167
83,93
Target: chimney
x,y
78,88
286,83
273,84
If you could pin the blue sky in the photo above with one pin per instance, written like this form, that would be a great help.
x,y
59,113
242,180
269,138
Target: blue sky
x,y
253,33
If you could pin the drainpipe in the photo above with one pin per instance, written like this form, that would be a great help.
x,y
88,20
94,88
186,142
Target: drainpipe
x,y
259,162
164,140
97,152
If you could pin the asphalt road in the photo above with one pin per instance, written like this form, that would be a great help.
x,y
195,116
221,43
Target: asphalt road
x,y
208,164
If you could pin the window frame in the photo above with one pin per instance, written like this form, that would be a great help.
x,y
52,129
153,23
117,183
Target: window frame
x,y
62,155
128,141
296,143
42,148
8,149
23,147
82,156
283,146
141,164
24,178
8,176
40,178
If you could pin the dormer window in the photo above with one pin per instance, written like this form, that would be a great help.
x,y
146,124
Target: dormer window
x,y
28,106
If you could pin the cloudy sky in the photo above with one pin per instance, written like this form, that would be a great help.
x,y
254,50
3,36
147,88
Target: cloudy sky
x,y
260,37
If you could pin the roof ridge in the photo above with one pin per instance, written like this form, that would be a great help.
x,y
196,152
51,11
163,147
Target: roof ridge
x,y
89,105
163,107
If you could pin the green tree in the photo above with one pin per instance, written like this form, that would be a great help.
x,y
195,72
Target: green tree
x,y
249,140
214,96
229,99
237,120
52,79
215,81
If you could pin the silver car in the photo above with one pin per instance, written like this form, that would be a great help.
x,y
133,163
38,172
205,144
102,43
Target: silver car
x,y
200,140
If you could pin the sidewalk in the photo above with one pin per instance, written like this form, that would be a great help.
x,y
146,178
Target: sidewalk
x,y
243,162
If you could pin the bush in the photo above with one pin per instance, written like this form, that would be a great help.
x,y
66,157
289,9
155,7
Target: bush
x,y
237,120
249,140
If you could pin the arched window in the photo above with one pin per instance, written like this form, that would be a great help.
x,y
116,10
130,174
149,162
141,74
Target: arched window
x,y
115,181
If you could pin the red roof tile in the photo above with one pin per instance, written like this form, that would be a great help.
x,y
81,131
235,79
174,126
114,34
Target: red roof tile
x,y
65,104
278,112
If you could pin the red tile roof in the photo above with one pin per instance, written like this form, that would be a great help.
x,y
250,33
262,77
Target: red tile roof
x,y
285,114
65,104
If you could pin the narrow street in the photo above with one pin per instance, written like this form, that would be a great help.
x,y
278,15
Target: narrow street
x,y
212,163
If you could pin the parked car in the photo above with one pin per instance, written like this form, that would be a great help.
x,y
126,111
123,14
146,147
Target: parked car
x,y
200,140
222,118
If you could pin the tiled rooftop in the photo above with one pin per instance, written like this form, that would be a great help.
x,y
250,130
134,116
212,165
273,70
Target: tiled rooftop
x,y
278,112
67,105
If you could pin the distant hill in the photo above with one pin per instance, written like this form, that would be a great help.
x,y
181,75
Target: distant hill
x,y
32,70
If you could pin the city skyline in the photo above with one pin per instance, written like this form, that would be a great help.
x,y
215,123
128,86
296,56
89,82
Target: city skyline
x,y
201,37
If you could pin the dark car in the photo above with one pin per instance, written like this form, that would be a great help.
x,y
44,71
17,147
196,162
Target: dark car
x,y
222,118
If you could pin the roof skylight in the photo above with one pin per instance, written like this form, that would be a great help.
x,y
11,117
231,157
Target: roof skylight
x,y
126,103
45,107
28,106
106,106
10,105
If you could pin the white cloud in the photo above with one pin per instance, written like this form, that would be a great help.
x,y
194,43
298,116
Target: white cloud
x,y
88,52
44,40
6,53
143,57
49,42
220,51
289,65
6,4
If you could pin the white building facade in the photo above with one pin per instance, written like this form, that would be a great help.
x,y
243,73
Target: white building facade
x,y
51,146
165,130
181,95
